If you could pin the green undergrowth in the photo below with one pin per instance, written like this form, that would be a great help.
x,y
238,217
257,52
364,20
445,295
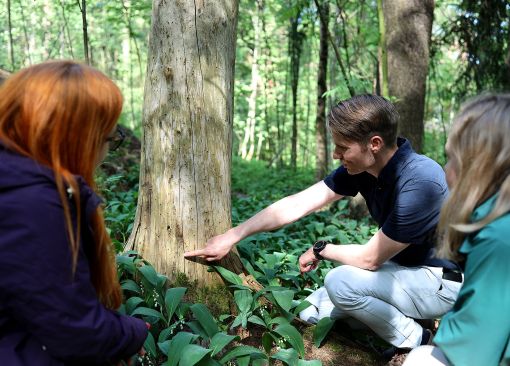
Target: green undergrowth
x,y
233,325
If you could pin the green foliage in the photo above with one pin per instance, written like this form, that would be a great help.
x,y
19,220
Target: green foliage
x,y
190,320
181,332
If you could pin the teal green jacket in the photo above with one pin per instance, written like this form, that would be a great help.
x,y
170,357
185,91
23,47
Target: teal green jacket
x,y
476,332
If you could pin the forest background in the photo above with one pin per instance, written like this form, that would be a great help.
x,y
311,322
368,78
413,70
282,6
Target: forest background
x,y
277,147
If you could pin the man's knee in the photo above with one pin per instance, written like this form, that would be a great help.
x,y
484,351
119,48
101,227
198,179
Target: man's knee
x,y
340,284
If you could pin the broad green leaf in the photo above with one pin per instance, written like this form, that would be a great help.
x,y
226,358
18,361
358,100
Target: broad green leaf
x,y
259,362
197,329
229,276
271,260
161,281
240,351
224,317
132,303
293,337
148,312
278,320
256,320
192,354
150,345
165,334
208,362
164,346
243,361
205,319
176,346
150,274
289,356
321,330
302,306
173,297
342,237
182,309
319,227
316,279
239,320
127,263
250,268
130,285
284,298
267,341
219,341
244,300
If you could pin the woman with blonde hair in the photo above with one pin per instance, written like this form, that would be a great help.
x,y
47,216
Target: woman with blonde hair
x,y
58,280
475,229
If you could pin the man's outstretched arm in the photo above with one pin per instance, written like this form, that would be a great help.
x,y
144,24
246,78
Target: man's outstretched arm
x,y
371,256
280,213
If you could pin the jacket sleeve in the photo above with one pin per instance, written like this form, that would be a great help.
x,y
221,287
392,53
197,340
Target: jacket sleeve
x,y
477,329
41,294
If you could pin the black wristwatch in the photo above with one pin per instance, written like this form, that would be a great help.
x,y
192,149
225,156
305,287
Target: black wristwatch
x,y
318,247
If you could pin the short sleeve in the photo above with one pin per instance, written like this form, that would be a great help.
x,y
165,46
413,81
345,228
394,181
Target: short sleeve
x,y
342,183
415,212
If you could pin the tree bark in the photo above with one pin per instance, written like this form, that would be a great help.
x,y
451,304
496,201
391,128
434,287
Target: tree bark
x,y
83,9
408,30
248,143
295,47
185,167
383,54
11,41
321,138
350,88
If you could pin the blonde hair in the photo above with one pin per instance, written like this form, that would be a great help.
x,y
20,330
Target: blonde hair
x,y
479,149
59,113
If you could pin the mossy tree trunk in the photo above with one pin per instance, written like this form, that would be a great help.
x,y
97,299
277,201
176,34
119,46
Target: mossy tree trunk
x,y
408,31
184,196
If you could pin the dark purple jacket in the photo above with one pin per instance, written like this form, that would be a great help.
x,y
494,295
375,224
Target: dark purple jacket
x,y
47,316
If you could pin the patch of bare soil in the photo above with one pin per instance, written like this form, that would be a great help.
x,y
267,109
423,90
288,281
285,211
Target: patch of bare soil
x,y
337,350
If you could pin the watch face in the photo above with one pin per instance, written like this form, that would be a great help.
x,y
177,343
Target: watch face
x,y
319,245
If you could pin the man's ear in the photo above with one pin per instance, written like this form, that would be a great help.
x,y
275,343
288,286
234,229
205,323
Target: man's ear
x,y
375,144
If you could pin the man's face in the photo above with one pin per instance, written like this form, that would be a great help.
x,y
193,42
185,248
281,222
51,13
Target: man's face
x,y
356,158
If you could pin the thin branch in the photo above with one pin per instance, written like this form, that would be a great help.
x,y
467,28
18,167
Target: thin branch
x,y
337,52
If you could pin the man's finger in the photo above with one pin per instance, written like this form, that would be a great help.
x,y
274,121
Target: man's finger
x,y
195,253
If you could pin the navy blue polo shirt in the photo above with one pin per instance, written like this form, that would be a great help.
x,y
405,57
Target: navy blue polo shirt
x,y
405,201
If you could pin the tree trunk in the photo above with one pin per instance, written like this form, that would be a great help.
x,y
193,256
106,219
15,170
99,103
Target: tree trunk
x,y
408,29
383,54
321,165
295,46
185,167
83,9
248,144
11,41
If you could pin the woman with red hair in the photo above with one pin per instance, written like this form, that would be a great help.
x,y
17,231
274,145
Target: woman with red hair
x,y
58,281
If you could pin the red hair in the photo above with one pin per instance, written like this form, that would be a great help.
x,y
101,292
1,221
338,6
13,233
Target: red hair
x,y
60,113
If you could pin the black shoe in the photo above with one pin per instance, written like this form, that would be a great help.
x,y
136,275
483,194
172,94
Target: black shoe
x,y
426,323
426,338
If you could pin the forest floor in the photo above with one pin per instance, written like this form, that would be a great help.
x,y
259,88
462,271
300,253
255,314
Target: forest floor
x,y
340,348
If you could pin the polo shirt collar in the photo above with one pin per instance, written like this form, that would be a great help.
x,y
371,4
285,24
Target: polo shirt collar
x,y
393,168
